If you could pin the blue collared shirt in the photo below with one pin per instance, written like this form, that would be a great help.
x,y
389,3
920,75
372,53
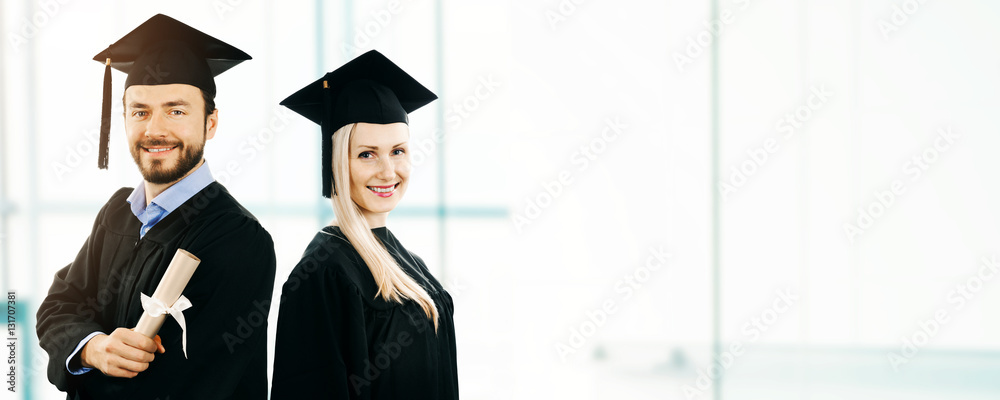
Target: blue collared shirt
x,y
161,206
168,201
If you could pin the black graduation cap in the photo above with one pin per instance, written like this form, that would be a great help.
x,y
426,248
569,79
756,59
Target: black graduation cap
x,y
369,88
163,51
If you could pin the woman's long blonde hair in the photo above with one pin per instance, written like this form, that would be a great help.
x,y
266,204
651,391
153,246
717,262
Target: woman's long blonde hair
x,y
393,284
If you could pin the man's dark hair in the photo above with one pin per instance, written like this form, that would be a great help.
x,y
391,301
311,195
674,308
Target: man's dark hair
x,y
209,104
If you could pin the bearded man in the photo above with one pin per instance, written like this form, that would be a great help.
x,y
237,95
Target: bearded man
x,y
85,321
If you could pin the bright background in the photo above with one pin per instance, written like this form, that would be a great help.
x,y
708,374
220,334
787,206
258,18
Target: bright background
x,y
573,141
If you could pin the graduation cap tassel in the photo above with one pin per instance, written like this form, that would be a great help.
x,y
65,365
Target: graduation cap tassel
x,y
327,132
102,156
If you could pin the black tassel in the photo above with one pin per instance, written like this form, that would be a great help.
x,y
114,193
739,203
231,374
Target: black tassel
x,y
102,156
327,131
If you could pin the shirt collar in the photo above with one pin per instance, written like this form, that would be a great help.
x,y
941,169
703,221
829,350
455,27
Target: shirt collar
x,y
176,194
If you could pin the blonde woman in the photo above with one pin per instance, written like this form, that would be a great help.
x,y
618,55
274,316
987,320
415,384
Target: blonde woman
x,y
361,317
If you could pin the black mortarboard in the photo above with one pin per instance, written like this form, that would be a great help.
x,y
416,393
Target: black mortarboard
x,y
369,88
163,51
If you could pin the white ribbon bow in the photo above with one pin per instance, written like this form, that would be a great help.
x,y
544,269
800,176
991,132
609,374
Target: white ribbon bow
x,y
155,308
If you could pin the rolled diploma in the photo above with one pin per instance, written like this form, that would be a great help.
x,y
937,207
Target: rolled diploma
x,y
174,280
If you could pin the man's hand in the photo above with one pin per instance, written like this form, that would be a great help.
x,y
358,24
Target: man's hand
x,y
124,354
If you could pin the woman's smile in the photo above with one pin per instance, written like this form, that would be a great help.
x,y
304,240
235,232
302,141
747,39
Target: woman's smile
x,y
384,191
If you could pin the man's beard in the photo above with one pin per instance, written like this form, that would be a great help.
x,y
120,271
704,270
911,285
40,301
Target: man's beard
x,y
156,173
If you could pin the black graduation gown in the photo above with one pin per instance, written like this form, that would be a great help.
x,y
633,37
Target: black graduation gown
x,y
336,340
230,292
